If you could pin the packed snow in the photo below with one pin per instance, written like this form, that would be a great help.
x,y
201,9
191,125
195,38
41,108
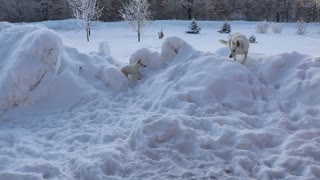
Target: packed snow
x,y
67,111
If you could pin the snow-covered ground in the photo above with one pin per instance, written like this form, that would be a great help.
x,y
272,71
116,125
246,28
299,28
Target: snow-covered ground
x,y
67,112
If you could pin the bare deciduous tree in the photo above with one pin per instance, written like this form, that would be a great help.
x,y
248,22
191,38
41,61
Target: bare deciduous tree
x,y
188,5
136,14
85,11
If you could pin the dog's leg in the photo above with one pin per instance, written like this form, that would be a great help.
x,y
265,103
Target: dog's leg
x,y
245,57
140,75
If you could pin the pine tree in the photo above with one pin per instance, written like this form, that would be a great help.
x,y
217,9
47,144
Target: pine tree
x,y
194,28
225,28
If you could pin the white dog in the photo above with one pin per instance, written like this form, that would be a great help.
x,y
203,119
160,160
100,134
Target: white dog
x,y
238,44
133,69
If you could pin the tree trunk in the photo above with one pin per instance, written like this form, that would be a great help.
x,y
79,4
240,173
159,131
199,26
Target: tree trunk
x,y
87,30
190,14
138,31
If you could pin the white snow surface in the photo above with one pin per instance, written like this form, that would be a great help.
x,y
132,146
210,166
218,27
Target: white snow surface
x,y
67,111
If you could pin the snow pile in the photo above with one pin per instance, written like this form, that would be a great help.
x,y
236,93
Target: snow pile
x,y
210,111
37,67
294,75
194,115
198,79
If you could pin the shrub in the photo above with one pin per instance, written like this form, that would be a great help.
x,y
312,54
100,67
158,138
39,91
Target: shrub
x,y
160,34
276,28
252,39
263,27
301,27
193,27
225,28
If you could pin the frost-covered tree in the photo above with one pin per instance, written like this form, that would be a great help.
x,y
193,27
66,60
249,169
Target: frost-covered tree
x,y
301,27
263,27
136,14
85,11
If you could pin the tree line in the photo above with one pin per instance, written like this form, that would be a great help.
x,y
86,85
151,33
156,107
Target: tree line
x,y
248,10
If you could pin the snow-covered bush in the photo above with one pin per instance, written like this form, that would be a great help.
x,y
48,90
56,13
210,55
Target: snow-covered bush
x,y
193,28
276,28
225,28
301,27
252,39
263,27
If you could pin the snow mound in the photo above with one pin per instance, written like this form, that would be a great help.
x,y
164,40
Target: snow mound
x,y
194,78
37,67
195,114
294,75
213,112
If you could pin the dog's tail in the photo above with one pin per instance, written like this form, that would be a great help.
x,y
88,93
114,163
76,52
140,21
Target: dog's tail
x,y
224,42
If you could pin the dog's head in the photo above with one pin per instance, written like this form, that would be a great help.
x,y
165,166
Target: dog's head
x,y
236,48
140,64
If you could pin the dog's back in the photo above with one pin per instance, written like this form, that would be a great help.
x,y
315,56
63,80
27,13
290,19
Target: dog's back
x,y
241,38
133,69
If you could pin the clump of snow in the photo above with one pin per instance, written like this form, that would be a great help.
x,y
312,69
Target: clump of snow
x,y
223,51
151,59
114,79
173,47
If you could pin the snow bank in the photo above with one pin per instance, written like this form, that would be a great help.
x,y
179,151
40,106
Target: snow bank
x,y
210,111
194,115
37,68
294,75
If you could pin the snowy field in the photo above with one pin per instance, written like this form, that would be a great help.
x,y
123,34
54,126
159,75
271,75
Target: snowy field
x,y
68,113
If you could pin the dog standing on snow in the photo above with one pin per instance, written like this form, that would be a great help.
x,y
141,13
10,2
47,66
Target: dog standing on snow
x,y
133,69
238,44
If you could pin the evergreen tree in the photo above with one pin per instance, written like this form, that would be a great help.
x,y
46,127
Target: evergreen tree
x,y
193,27
225,28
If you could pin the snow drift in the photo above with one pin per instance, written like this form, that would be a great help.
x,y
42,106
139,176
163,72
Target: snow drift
x,y
195,114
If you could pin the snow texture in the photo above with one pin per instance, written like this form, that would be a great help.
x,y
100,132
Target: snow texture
x,y
196,114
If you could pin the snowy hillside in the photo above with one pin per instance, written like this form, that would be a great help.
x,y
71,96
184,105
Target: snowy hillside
x,y
67,112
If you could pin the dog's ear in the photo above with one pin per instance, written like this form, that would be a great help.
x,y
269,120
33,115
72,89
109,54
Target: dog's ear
x,y
238,43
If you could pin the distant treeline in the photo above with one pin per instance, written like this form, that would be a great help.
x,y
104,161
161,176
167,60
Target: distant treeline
x,y
249,10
